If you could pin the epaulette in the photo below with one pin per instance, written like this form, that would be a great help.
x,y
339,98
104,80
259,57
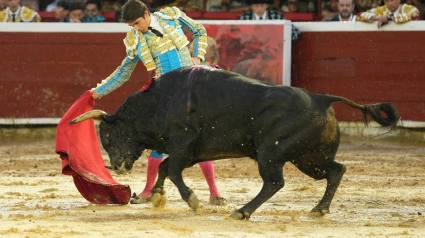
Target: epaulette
x,y
170,13
379,11
27,14
131,41
409,9
3,16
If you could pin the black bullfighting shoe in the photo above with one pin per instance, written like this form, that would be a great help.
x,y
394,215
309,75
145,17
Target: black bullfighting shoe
x,y
135,199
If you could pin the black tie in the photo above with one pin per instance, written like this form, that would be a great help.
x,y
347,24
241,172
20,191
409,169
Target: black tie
x,y
156,32
261,18
13,18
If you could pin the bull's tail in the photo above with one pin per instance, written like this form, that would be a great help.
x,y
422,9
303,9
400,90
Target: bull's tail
x,y
384,114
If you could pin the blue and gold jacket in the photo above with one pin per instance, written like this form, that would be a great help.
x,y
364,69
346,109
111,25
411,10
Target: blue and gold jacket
x,y
161,53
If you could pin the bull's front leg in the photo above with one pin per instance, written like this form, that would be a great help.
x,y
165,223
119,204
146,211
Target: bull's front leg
x,y
181,154
175,171
158,193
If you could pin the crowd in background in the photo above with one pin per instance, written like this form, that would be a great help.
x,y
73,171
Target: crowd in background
x,y
90,10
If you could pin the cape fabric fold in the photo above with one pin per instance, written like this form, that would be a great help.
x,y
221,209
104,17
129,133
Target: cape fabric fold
x,y
81,156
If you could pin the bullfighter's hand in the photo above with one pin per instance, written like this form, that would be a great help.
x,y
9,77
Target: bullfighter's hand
x,y
94,95
382,21
196,60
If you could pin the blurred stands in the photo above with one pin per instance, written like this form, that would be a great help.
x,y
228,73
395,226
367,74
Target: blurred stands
x,y
199,15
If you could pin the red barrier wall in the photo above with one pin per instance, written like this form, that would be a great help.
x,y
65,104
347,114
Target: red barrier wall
x,y
42,74
366,67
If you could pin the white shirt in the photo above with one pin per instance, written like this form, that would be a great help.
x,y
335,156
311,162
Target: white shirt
x,y
351,19
155,24
264,16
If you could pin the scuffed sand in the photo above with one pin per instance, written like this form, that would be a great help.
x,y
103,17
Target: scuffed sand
x,y
382,194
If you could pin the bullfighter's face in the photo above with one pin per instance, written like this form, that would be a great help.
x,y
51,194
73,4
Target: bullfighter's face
x,y
122,149
141,24
392,5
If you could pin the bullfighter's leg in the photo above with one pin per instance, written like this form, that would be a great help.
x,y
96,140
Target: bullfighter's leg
x,y
154,159
272,176
158,192
332,172
207,168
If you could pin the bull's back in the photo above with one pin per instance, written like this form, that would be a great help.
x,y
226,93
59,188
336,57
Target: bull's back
x,y
232,113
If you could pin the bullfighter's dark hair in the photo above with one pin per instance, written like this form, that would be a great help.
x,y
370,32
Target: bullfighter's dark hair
x,y
132,10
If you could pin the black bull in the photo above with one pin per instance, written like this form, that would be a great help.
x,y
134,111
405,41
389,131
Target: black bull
x,y
198,114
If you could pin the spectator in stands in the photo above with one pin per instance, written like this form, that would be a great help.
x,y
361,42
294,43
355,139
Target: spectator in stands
x,y
155,40
259,11
291,6
76,13
111,5
276,5
420,4
227,6
331,10
62,10
364,5
393,10
33,4
52,5
152,6
2,4
184,5
14,12
93,11
345,9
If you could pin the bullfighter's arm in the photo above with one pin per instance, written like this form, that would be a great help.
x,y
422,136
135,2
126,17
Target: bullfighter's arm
x,y
117,78
371,15
199,34
411,13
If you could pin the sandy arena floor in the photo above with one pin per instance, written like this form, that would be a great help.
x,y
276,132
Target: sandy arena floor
x,y
382,194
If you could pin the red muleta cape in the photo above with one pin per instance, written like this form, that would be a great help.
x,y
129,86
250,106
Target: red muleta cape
x,y
81,156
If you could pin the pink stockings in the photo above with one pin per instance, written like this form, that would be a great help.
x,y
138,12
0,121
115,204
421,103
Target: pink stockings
x,y
152,172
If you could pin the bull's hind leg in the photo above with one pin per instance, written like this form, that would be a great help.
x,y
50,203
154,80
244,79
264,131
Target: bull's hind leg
x,y
272,176
158,193
332,172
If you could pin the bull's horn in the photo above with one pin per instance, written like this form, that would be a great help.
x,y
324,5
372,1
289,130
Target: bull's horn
x,y
95,114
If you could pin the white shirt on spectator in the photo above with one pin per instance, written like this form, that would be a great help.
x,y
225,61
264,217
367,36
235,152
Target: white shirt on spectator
x,y
256,17
52,6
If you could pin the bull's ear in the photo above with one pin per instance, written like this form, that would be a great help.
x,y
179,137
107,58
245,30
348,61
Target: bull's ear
x,y
95,114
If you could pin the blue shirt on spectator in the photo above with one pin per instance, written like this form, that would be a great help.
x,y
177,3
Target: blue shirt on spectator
x,y
87,19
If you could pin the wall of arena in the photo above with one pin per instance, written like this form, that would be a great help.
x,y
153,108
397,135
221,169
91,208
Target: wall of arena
x,y
44,72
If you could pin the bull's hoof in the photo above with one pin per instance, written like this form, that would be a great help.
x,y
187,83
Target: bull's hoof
x,y
317,211
219,201
193,202
159,200
239,216
135,199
